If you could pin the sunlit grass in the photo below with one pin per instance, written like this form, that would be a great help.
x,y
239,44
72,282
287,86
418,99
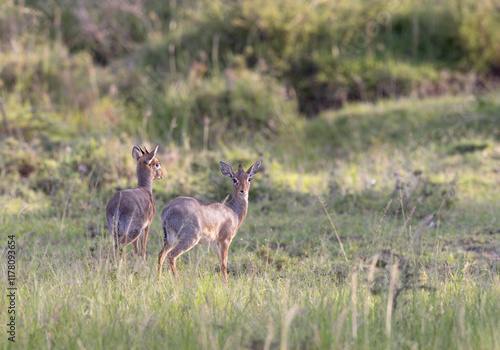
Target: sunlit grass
x,y
408,201
373,226
70,302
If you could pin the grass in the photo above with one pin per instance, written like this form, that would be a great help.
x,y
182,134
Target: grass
x,y
374,226
412,195
75,299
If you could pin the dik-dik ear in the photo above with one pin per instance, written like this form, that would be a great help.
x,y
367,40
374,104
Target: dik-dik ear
x,y
151,155
254,169
137,153
226,170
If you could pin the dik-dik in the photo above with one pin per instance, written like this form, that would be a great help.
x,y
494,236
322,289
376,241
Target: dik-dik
x,y
130,212
189,221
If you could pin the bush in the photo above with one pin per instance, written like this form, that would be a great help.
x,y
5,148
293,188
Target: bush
x,y
239,105
320,54
480,35
331,53
105,29
49,75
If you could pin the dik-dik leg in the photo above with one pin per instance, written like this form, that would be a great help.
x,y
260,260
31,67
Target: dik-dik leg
x,y
161,257
124,260
182,247
136,246
223,250
144,241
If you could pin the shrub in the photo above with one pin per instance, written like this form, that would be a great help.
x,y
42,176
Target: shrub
x,y
239,105
480,34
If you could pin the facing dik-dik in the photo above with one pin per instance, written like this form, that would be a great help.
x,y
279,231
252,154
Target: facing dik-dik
x,y
130,212
188,221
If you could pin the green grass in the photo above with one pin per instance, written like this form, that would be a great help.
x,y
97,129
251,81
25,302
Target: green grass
x,y
70,298
374,226
400,181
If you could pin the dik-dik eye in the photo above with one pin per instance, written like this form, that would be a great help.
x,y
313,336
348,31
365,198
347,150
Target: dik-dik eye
x,y
235,181
249,179
157,165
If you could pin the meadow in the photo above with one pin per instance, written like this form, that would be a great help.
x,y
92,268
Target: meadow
x,y
373,221
341,253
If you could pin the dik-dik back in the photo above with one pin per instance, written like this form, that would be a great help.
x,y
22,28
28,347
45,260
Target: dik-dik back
x,y
130,212
188,214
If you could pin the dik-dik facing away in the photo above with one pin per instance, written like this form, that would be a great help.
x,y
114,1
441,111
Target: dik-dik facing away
x,y
187,221
130,212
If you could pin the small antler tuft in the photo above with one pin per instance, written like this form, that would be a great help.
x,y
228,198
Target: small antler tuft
x,y
141,149
146,149
240,170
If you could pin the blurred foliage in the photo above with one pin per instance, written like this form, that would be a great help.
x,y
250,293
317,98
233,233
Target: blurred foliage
x,y
231,80
480,34
180,70
239,104
332,95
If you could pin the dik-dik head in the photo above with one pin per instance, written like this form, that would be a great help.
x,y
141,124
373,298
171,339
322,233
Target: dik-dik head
x,y
147,160
242,178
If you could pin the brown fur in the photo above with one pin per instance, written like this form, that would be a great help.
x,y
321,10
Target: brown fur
x,y
130,212
189,221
